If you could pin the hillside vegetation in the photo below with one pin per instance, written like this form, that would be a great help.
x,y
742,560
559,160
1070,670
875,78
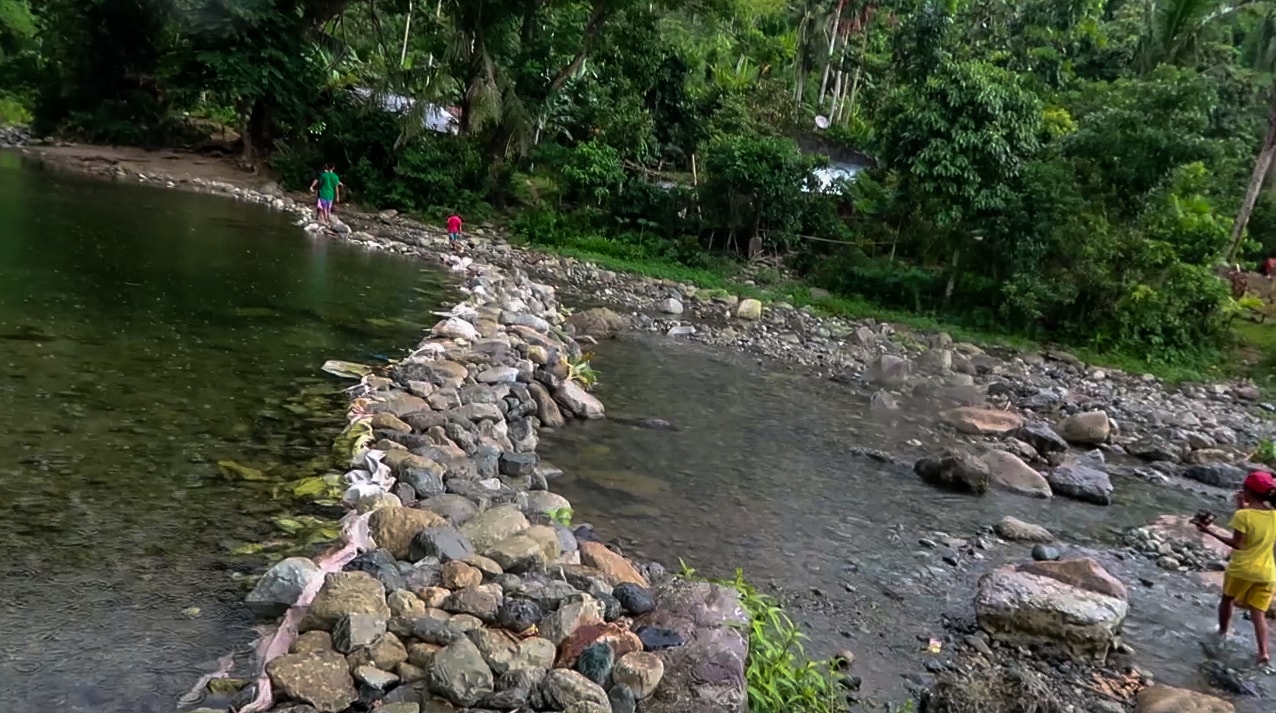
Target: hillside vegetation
x,y
1061,170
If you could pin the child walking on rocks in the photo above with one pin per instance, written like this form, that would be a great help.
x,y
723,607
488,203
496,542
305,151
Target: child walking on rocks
x,y
1250,579
329,188
453,229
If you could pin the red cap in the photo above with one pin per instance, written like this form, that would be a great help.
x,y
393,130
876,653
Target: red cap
x,y
1260,482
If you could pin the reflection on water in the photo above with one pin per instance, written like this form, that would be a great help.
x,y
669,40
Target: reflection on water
x,y
760,476
145,335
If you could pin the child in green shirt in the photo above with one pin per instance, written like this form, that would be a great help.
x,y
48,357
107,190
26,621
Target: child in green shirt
x,y
329,187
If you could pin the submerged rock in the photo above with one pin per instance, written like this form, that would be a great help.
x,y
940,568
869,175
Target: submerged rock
x,y
956,470
598,322
1014,529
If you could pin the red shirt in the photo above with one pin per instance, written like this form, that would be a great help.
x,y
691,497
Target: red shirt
x,y
454,224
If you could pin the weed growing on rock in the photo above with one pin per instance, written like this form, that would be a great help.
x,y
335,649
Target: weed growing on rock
x,y
781,677
580,370
562,516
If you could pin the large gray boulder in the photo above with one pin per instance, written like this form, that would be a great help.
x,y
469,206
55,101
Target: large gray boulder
x,y
1073,608
1081,482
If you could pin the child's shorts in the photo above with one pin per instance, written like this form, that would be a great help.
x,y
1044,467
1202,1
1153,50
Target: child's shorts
x,y
1255,595
325,204
454,236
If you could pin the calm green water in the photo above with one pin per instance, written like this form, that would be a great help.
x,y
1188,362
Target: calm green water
x,y
144,336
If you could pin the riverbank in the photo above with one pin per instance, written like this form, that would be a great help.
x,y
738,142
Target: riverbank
x,y
858,359
766,281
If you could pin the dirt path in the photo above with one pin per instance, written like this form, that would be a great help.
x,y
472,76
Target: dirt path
x,y
170,162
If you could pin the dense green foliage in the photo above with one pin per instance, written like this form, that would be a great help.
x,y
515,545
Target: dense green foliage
x,y
1059,169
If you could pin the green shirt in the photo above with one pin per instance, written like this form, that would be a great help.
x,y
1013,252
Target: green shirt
x,y
328,183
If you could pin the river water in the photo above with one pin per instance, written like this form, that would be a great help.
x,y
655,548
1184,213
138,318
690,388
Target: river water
x,y
760,476
146,335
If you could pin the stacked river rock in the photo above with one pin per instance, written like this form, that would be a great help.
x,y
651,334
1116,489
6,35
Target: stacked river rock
x,y
14,136
474,596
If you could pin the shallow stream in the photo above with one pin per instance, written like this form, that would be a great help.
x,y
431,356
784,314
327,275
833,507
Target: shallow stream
x,y
146,335
759,475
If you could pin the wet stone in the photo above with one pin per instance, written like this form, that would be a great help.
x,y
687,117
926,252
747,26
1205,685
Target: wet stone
x,y
423,575
612,610
321,679
355,630
564,689
445,543
487,462
280,586
640,672
439,633
518,464
482,601
636,600
381,565
461,575
657,639
518,615
427,483
457,509
375,678
1045,553
459,673
595,663
622,699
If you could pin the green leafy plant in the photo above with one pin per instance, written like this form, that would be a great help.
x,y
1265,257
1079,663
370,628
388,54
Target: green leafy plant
x,y
781,677
1265,452
562,516
579,370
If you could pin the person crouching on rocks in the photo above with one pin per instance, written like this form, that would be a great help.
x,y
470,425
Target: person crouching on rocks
x,y
1250,579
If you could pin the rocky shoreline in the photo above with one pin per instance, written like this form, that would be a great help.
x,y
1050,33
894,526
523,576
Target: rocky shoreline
x,y
460,583
465,463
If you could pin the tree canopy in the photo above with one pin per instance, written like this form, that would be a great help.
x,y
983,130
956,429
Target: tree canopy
x,y
1065,169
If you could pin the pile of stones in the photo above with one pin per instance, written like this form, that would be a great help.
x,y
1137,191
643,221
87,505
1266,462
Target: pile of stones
x,y
474,593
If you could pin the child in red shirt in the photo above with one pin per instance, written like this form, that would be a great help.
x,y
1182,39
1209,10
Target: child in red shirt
x,y
453,228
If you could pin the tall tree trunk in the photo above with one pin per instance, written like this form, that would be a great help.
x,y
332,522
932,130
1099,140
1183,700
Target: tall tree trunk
x,y
1261,164
828,62
407,30
596,21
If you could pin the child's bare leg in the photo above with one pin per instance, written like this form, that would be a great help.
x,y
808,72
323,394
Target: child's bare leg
x,y
1260,633
1224,616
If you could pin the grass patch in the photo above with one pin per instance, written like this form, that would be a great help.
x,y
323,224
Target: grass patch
x,y
730,277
